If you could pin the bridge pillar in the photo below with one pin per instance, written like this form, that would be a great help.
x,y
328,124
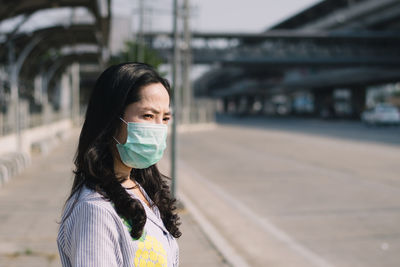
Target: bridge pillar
x,y
260,108
237,101
75,70
64,100
242,105
358,101
324,105
225,104
249,105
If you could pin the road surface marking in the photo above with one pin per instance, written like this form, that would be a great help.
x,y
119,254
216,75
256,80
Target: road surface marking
x,y
223,246
264,223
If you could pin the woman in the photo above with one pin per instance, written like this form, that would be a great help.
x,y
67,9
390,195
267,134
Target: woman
x,y
120,212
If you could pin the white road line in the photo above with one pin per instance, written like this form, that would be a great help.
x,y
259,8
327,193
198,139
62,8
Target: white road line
x,y
264,223
230,255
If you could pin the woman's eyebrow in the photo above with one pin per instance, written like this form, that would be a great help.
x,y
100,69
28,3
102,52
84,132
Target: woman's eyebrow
x,y
155,111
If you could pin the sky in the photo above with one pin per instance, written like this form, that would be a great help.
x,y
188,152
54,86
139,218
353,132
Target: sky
x,y
206,15
213,15
216,15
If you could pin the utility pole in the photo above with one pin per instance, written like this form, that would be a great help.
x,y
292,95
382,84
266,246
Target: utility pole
x,y
175,99
187,62
140,45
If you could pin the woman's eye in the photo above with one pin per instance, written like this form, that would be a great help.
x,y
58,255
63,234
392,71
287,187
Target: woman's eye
x,y
148,116
166,119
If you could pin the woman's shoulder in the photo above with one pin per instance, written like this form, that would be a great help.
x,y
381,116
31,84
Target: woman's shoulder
x,y
89,203
88,220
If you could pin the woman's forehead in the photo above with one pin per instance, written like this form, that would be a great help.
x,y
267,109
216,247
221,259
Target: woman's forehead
x,y
154,90
150,100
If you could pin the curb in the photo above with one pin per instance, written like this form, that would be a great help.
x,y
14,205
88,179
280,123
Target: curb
x,y
212,234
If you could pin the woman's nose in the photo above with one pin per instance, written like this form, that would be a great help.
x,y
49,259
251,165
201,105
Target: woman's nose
x,y
159,120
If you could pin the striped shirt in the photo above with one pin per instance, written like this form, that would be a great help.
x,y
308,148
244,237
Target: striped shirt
x,y
94,235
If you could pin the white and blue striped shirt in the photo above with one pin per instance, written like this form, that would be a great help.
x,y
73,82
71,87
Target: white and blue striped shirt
x,y
94,235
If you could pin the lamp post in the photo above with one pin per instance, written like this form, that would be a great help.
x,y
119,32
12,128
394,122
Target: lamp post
x,y
175,99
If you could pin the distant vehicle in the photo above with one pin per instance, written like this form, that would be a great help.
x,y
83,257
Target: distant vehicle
x,y
381,114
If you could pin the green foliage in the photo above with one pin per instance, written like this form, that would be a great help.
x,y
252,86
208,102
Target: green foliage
x,y
131,52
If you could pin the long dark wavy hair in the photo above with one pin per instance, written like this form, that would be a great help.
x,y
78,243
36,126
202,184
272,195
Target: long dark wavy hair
x,y
116,88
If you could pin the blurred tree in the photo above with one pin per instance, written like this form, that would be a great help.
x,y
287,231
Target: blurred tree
x,y
131,51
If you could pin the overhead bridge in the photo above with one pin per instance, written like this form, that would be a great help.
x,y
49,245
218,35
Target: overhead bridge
x,y
288,48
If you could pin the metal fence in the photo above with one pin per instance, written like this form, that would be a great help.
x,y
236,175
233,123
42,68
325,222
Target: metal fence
x,y
28,120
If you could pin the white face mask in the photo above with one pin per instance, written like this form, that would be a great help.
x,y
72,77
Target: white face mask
x,y
145,144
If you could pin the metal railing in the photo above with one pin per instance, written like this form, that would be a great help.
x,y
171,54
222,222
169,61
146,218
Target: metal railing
x,y
29,120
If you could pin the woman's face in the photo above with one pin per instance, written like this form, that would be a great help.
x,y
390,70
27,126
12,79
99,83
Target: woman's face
x,y
153,107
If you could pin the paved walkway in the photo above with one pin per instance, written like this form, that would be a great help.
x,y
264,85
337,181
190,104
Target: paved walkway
x,y
30,207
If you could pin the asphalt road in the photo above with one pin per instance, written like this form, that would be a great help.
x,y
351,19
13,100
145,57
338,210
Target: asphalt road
x,y
290,192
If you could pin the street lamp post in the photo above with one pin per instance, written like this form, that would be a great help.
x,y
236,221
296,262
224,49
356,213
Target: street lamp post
x,y
175,99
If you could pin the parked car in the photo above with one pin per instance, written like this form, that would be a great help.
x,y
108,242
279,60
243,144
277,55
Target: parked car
x,y
381,114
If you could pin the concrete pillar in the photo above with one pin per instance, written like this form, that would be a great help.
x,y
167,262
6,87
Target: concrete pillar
x,y
225,103
289,103
268,106
15,65
236,101
13,115
243,105
47,110
65,93
249,104
75,93
358,101
37,89
324,105
261,102
45,98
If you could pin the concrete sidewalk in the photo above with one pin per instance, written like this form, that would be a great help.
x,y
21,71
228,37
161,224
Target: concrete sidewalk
x,y
30,207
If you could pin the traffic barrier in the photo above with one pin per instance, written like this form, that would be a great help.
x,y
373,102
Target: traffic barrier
x,y
4,175
40,139
44,146
12,164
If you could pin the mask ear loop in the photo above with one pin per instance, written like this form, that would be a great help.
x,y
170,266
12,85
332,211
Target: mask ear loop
x,y
126,124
